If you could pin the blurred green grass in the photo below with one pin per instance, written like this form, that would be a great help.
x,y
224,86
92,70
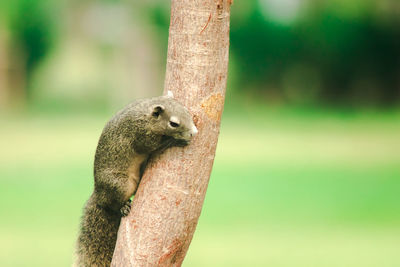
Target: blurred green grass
x,y
287,189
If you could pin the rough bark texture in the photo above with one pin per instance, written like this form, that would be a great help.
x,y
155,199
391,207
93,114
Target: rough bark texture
x,y
168,203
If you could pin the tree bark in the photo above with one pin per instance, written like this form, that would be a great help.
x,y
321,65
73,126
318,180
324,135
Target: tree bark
x,y
167,205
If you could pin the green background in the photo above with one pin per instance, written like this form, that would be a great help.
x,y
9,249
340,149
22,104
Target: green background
x,y
288,188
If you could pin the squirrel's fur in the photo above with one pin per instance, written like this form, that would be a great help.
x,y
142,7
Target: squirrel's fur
x,y
142,128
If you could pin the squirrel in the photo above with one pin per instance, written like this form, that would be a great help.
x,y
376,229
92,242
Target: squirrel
x,y
141,129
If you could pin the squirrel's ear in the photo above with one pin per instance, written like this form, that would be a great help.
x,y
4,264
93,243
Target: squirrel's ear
x,y
157,110
170,94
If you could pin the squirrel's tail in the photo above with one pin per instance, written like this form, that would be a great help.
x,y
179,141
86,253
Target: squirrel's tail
x,y
98,235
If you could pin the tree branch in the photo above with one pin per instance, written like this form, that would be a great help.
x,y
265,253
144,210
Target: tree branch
x,y
168,203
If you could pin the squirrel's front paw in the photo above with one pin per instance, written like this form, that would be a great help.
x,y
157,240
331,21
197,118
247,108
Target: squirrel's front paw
x,y
126,208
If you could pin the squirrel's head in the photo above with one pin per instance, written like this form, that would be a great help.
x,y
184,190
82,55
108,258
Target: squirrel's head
x,y
172,120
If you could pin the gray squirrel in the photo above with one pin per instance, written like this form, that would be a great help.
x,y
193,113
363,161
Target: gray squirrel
x,y
142,128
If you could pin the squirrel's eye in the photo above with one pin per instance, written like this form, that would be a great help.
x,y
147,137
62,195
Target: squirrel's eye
x,y
173,124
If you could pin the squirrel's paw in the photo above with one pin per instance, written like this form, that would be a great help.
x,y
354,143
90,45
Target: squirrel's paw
x,y
126,208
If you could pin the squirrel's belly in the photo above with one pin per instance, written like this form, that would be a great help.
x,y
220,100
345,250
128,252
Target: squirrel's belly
x,y
134,174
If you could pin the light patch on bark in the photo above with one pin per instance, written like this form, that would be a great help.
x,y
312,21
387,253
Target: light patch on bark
x,y
213,106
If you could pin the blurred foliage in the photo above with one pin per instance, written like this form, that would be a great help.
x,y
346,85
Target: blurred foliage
x,y
325,55
301,52
33,25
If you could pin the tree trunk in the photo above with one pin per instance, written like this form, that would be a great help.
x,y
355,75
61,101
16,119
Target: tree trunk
x,y
168,203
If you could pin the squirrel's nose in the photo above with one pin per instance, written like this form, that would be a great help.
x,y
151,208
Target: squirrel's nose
x,y
194,131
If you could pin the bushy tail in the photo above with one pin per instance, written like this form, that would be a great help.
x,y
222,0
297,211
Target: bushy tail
x,y
98,235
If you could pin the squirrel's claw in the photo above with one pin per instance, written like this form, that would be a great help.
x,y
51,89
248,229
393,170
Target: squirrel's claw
x,y
126,208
